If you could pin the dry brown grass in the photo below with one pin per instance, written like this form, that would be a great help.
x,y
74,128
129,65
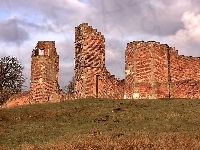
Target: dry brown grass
x,y
140,142
102,124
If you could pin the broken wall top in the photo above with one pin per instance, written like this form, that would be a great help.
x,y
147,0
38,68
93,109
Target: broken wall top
x,y
45,48
83,29
172,50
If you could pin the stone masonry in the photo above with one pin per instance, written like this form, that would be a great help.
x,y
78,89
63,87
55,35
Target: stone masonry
x,y
147,70
155,70
44,72
152,71
185,75
44,77
92,80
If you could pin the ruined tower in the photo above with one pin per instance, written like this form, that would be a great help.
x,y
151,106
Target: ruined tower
x,y
147,72
91,76
44,72
89,59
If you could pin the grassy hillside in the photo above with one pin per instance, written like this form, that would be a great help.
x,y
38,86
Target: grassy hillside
x,y
102,124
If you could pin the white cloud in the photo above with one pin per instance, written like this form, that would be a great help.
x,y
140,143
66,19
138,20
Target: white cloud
x,y
192,25
188,38
120,22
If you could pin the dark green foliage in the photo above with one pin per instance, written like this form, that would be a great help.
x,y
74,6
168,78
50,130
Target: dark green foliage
x,y
11,77
69,89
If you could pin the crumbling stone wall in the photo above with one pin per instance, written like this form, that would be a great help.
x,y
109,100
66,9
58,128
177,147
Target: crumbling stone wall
x,y
44,73
152,70
146,70
91,76
44,78
22,98
185,75
109,86
155,70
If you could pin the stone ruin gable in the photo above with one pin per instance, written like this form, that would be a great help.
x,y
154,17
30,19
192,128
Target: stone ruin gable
x,y
146,70
89,59
44,73
91,76
185,75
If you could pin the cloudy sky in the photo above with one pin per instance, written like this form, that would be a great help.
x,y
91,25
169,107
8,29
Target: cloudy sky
x,y
24,22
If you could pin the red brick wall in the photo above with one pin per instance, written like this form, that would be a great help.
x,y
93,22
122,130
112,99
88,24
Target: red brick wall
x,y
44,73
161,70
155,70
110,86
152,70
146,69
89,60
185,76
91,76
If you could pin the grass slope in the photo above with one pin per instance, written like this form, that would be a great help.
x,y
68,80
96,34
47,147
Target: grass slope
x,y
102,124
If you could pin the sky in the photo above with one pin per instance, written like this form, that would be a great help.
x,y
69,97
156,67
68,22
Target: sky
x,y
24,22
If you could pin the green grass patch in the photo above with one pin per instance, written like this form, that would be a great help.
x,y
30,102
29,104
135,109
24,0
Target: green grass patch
x,y
42,124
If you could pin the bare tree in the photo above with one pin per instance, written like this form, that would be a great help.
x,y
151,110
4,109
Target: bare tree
x,y
11,77
69,89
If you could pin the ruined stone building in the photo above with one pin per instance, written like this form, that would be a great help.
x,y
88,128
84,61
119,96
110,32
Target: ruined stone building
x,y
155,70
92,79
44,72
44,77
152,71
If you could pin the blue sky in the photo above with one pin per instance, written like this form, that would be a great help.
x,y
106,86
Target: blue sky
x,y
23,23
